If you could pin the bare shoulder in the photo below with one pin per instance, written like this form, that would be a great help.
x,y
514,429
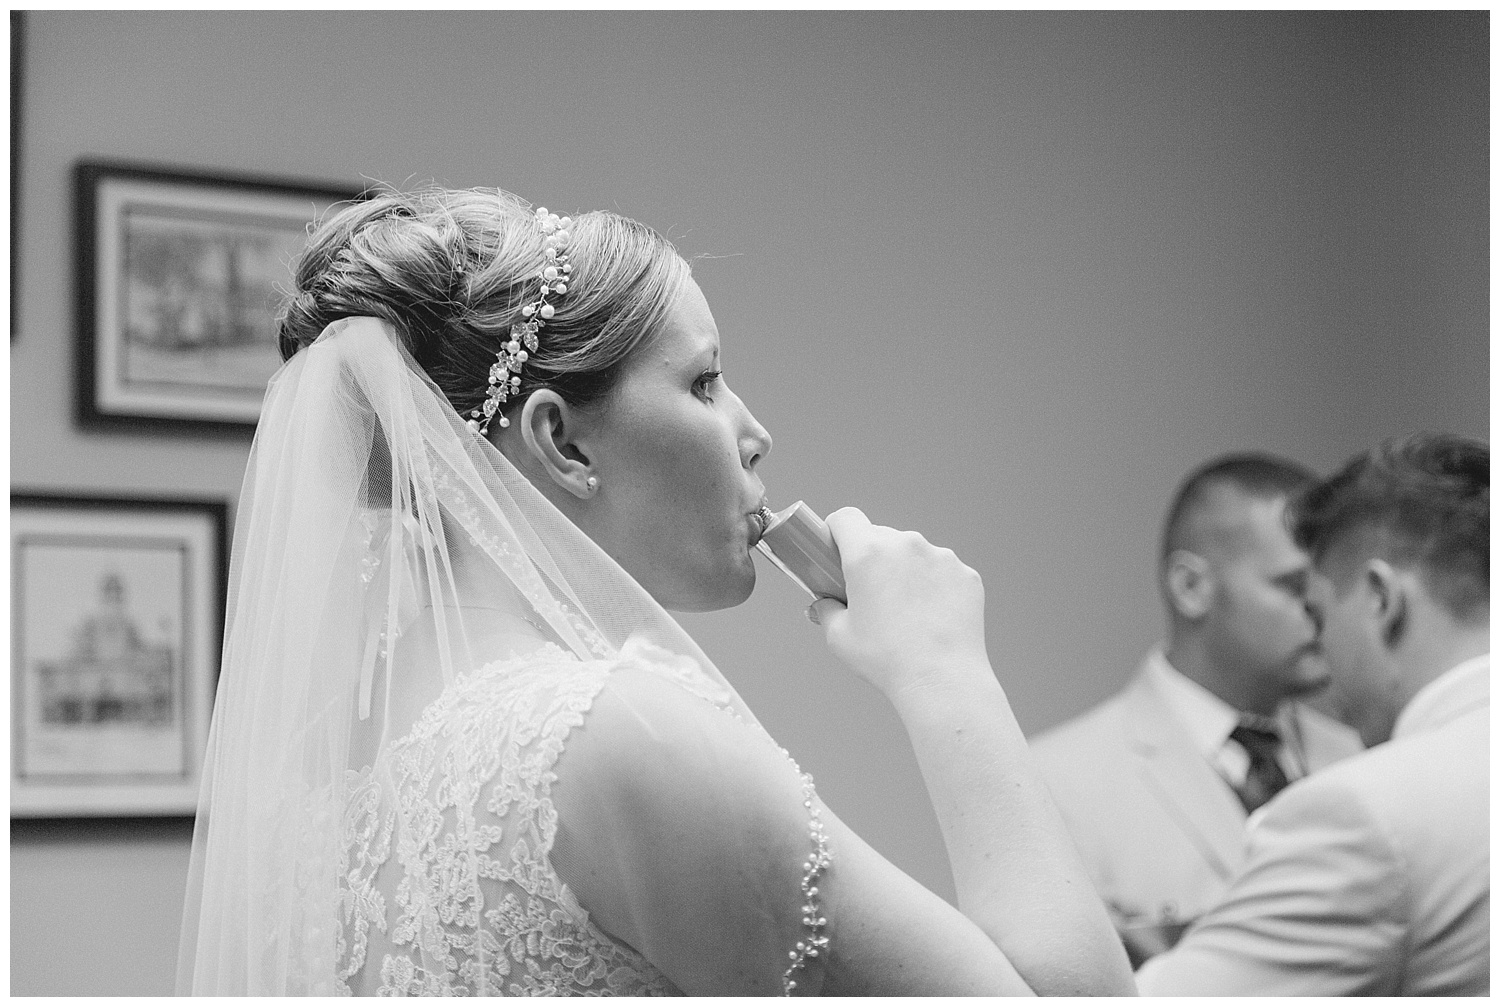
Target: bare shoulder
x,y
683,829
664,719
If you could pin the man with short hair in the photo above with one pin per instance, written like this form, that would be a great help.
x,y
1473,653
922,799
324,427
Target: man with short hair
x,y
1155,784
1372,877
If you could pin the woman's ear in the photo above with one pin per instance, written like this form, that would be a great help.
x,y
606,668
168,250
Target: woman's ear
x,y
550,428
1190,584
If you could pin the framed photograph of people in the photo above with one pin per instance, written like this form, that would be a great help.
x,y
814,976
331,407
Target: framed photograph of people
x,y
116,620
179,278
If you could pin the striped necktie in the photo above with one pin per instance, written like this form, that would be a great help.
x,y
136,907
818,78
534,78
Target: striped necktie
x,y
1265,778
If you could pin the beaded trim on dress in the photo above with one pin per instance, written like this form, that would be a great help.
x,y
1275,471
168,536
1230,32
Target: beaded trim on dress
x,y
816,942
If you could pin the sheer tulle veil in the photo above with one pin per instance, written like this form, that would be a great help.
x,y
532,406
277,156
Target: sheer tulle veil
x,y
381,551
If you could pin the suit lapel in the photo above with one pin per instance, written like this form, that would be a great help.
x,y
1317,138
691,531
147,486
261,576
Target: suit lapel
x,y
1190,790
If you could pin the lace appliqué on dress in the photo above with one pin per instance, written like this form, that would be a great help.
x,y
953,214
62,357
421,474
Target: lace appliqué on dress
x,y
470,904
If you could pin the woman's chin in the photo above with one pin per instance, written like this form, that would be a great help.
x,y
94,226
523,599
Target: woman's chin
x,y
726,591
743,588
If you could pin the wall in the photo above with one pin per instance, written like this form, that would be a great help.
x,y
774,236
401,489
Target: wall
x,y
999,277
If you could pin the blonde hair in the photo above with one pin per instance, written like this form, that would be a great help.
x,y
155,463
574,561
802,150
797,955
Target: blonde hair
x,y
450,270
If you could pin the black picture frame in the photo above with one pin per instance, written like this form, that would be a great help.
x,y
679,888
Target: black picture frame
x,y
117,619
179,273
17,106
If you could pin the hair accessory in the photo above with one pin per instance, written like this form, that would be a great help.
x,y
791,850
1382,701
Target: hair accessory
x,y
505,372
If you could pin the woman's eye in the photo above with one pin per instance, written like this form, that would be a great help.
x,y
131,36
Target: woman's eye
x,y
705,383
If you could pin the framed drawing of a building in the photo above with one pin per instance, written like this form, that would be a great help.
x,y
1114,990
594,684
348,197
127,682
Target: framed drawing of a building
x,y
179,276
116,621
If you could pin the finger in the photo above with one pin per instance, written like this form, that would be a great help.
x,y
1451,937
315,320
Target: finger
x,y
823,609
846,519
849,527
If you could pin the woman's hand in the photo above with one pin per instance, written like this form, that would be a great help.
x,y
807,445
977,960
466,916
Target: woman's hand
x,y
915,615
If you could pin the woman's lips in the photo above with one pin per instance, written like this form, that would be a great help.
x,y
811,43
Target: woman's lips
x,y
760,520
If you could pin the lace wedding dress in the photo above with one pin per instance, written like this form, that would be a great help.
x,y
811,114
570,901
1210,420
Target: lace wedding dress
x,y
456,749
470,901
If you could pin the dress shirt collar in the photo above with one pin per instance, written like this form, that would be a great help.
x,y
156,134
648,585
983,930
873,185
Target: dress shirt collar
x,y
1207,719
1456,691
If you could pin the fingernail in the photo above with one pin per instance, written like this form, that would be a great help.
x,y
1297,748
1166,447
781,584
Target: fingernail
x,y
812,615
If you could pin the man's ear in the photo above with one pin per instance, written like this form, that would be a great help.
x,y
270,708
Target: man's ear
x,y
1388,600
1190,584
550,429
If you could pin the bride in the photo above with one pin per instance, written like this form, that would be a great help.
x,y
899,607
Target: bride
x,y
459,744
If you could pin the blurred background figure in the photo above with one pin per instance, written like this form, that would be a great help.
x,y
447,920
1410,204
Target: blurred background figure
x,y
1156,783
1372,878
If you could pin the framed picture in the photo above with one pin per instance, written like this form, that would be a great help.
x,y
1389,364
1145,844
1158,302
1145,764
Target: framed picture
x,y
117,616
179,278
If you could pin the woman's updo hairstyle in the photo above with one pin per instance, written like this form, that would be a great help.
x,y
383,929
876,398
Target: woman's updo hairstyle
x,y
450,270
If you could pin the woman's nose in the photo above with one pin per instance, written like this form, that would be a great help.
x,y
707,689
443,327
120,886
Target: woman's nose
x,y
755,440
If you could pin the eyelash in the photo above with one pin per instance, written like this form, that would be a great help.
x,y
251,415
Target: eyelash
x,y
705,380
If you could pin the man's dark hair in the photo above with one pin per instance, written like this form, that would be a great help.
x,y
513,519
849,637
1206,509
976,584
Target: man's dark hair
x,y
1427,499
1253,474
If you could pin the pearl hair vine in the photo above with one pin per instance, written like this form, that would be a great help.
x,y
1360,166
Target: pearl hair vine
x,y
505,372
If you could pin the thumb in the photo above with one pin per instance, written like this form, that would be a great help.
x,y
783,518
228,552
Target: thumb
x,y
820,611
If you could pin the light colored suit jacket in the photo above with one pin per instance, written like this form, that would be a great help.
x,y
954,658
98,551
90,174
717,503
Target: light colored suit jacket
x,y
1159,830
1370,878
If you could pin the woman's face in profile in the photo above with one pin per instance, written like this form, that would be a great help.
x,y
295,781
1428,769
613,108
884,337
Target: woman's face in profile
x,y
675,453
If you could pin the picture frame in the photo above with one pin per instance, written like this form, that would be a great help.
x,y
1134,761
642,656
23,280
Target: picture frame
x,y
116,624
179,275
